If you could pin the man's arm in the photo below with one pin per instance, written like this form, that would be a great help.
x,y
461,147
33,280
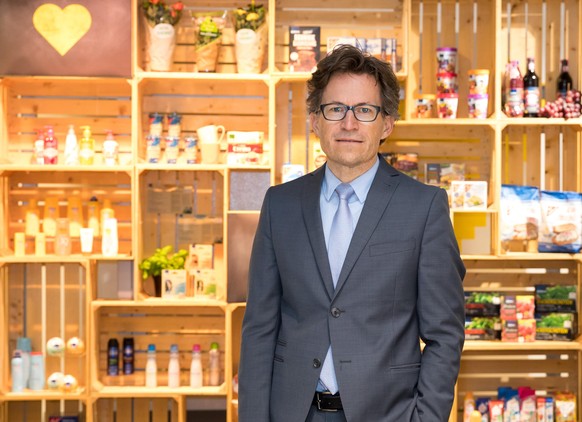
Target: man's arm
x,y
441,313
260,325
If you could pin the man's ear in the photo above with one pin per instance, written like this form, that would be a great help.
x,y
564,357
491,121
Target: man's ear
x,y
314,121
388,126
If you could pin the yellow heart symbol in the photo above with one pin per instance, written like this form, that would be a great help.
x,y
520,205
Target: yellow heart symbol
x,y
62,28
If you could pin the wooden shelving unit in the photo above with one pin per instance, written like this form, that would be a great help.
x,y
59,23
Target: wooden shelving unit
x,y
273,102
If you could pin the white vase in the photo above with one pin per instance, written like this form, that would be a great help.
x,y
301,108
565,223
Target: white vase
x,y
160,48
250,49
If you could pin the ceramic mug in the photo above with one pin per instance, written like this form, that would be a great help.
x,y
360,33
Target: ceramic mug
x,y
209,134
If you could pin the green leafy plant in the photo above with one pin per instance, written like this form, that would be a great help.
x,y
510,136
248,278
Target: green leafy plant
x,y
162,259
156,11
250,17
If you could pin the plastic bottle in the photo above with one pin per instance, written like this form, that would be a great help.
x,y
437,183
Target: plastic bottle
x,y
36,381
71,148
109,238
38,155
475,416
113,357
93,216
531,85
196,367
110,150
17,372
151,369
32,219
468,407
174,367
75,216
63,238
87,147
564,83
106,212
128,357
23,345
214,364
51,214
514,94
51,146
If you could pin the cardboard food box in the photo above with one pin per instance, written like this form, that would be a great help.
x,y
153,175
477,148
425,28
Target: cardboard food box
x,y
482,304
482,328
555,298
556,326
526,330
174,283
509,331
304,48
244,148
469,194
508,308
525,306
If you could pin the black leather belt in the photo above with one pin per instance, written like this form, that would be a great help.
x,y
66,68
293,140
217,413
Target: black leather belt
x,y
327,402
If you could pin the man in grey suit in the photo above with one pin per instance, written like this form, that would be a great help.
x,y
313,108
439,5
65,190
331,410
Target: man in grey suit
x,y
331,332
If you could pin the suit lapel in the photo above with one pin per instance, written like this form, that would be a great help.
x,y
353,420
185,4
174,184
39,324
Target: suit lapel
x,y
381,191
312,216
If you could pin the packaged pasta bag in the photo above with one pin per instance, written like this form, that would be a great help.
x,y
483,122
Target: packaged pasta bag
x,y
208,29
561,227
519,212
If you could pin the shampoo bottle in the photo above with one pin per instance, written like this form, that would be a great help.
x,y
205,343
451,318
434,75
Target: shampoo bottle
x,y
196,368
38,155
151,368
87,147
51,150
71,148
174,367
106,212
17,372
51,214
32,219
75,216
110,150
93,216
109,240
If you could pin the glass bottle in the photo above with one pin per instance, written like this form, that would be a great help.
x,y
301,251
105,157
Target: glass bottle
x,y
531,85
514,91
564,83
214,364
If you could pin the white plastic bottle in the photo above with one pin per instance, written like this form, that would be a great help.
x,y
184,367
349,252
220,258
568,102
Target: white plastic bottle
x,y
36,381
110,150
109,239
196,368
17,368
174,367
23,345
32,218
214,364
71,148
151,369
94,216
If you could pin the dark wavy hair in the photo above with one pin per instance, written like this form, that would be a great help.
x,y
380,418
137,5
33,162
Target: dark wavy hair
x,y
347,59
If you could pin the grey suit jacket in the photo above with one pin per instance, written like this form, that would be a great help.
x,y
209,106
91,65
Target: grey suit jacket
x,y
401,281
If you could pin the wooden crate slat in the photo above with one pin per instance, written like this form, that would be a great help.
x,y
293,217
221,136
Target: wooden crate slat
x,y
243,106
70,107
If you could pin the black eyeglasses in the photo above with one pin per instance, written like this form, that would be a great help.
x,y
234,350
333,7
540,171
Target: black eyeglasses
x,y
338,111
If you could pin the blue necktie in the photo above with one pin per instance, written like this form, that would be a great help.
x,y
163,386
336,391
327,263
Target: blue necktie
x,y
337,247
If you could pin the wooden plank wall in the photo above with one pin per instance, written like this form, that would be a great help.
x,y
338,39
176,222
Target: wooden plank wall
x,y
103,104
236,105
474,52
26,317
338,18
138,409
162,326
22,187
32,411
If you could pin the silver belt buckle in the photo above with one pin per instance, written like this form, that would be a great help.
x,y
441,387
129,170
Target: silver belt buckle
x,y
318,395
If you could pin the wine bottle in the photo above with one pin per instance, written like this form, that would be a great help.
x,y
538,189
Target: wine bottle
x,y
564,80
531,85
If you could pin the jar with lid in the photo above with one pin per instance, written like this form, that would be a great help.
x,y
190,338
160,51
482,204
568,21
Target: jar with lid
x,y
63,238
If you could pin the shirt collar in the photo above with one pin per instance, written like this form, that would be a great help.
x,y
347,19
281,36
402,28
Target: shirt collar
x,y
361,184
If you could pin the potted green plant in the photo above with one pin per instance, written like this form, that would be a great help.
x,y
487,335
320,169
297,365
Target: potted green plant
x,y
162,259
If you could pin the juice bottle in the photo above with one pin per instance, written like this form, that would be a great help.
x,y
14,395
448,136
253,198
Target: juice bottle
x,y
514,91
87,147
51,150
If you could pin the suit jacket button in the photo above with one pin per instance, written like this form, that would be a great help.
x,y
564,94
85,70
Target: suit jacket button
x,y
316,363
336,312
